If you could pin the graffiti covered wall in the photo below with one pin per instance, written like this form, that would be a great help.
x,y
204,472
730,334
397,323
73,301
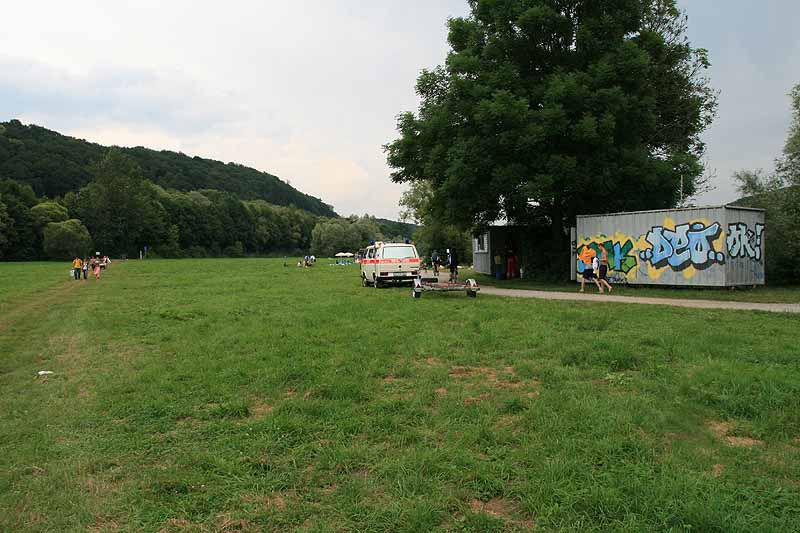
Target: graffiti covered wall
x,y
704,247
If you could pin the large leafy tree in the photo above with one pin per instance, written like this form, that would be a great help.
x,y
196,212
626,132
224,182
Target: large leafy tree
x,y
20,240
48,211
789,164
330,236
432,235
546,109
63,240
779,194
119,207
6,223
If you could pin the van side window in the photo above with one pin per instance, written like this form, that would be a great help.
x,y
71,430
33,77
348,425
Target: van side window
x,y
371,253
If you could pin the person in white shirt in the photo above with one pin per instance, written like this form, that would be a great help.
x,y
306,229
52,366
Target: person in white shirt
x,y
589,273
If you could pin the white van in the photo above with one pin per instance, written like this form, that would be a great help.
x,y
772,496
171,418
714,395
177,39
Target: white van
x,y
389,262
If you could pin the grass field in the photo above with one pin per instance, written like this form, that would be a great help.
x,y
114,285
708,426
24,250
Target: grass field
x,y
210,395
761,294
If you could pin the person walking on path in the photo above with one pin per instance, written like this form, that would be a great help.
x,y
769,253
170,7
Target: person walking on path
x,y
85,267
96,268
452,262
589,259
77,265
435,262
602,275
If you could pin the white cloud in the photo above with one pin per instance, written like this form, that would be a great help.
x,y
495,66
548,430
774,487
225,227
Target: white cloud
x,y
308,90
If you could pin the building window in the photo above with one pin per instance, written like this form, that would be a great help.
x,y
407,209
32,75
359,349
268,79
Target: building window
x,y
480,243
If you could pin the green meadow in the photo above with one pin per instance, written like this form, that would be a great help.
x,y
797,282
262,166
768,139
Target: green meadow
x,y
242,395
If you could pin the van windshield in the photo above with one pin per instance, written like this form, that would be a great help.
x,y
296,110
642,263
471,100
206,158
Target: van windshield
x,y
399,252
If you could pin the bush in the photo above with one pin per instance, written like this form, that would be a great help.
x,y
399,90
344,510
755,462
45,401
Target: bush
x,y
64,240
234,250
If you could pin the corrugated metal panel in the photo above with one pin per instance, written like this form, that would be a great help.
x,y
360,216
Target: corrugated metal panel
x,y
482,260
744,246
673,247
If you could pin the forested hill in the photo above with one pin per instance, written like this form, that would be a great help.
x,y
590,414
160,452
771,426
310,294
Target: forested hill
x,y
54,164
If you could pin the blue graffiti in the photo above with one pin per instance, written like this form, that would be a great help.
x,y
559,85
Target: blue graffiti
x,y
744,242
687,245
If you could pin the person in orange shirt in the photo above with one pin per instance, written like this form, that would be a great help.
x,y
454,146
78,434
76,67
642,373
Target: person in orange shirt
x,y
77,264
588,257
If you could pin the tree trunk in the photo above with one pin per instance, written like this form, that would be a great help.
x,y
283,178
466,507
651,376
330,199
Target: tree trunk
x,y
558,245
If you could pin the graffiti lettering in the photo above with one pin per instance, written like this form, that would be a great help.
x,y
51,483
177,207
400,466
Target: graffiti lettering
x,y
687,245
743,242
618,258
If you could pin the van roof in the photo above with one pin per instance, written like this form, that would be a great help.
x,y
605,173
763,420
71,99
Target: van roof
x,y
384,244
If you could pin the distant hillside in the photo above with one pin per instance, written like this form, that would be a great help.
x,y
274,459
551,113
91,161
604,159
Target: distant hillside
x,y
392,228
54,164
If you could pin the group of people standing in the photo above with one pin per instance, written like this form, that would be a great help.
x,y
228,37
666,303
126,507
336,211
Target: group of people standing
x,y
83,266
595,269
451,261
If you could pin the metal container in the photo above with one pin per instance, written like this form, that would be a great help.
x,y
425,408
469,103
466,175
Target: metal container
x,y
706,247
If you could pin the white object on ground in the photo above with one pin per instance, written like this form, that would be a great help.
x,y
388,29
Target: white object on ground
x,y
45,372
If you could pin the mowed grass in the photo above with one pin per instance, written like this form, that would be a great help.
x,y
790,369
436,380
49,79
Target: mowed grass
x,y
759,294
210,395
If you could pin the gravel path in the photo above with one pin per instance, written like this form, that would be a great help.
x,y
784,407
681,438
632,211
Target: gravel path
x,y
675,302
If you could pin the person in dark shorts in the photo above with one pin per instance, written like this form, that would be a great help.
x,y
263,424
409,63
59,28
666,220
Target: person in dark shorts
x,y
602,273
452,262
589,259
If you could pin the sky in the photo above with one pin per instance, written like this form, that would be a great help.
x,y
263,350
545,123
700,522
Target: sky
x,y
309,90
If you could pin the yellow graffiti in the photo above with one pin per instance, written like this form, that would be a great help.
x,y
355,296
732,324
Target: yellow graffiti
x,y
640,243
617,237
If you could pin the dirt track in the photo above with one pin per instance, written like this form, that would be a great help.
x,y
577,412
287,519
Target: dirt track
x,y
675,302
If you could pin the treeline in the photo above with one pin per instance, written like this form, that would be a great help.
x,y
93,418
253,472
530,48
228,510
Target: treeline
x,y
778,192
120,213
54,164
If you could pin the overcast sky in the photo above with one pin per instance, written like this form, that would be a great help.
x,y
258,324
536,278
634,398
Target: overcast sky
x,y
308,90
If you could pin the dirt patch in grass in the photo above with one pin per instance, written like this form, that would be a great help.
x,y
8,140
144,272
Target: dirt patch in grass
x,y
505,378
328,489
441,391
226,523
503,509
104,524
181,422
721,430
430,362
389,378
99,488
474,400
717,470
260,410
507,421
182,524
743,442
276,501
